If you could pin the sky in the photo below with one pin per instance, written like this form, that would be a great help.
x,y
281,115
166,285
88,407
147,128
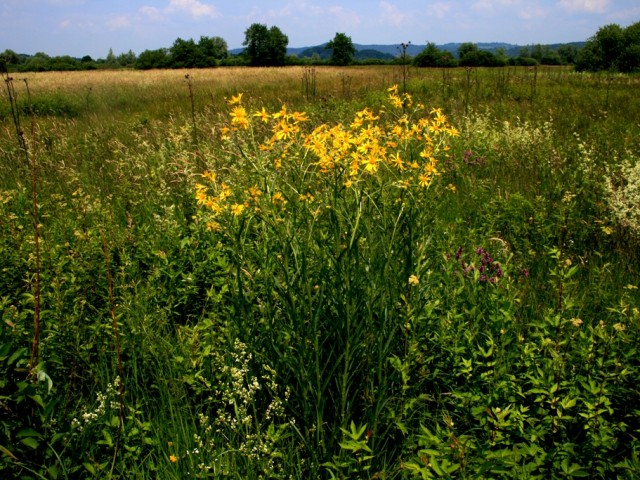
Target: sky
x,y
92,27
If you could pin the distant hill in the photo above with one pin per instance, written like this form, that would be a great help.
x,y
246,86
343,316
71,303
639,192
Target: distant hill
x,y
391,51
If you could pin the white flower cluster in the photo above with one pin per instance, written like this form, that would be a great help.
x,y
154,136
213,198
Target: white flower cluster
x,y
103,399
251,429
622,192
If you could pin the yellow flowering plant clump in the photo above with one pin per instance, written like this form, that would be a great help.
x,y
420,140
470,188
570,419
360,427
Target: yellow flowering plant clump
x,y
281,154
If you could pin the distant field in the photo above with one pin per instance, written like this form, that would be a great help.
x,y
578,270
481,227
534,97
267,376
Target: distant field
x,y
362,272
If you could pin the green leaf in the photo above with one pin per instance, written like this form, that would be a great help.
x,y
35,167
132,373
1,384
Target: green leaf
x,y
89,468
42,377
30,442
38,399
17,354
7,452
28,432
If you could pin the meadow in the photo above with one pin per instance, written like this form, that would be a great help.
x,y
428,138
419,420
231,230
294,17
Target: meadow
x,y
316,272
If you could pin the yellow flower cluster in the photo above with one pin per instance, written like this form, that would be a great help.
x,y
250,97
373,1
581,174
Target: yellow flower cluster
x,y
401,144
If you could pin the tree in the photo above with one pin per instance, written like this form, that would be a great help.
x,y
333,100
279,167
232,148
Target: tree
x,y
471,56
466,48
278,42
153,59
213,49
186,54
431,56
126,59
568,54
601,51
629,58
111,58
342,49
265,47
10,57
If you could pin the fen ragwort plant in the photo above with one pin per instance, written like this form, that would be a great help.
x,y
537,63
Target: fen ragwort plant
x,y
327,226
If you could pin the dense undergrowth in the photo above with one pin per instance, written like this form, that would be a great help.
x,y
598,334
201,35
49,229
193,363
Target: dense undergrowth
x,y
316,281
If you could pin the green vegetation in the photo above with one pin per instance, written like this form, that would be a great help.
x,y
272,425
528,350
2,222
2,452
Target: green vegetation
x,y
265,47
612,48
226,274
342,50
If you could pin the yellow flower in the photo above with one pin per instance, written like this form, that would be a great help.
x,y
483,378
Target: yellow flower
x,y
396,101
283,130
173,458
431,168
225,192
254,192
371,165
424,180
211,176
239,118
278,197
263,115
453,131
235,100
282,113
414,280
237,209
299,117
397,161
452,187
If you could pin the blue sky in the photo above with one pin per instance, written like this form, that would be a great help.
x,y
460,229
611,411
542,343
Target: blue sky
x,y
92,27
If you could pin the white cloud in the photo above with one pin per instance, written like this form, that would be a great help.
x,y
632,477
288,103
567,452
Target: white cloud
x,y
391,14
440,9
194,8
344,17
119,22
590,6
64,24
152,13
66,3
532,12
625,17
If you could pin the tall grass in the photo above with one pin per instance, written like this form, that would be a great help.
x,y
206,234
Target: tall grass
x,y
305,295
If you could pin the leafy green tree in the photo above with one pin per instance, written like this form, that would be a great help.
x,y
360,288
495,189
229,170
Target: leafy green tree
x,y
111,59
213,49
38,63
431,56
480,58
265,46
126,59
601,51
342,49
278,42
185,54
10,57
568,54
150,59
466,48
629,59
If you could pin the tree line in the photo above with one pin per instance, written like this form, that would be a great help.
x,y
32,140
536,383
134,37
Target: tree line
x,y
612,48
